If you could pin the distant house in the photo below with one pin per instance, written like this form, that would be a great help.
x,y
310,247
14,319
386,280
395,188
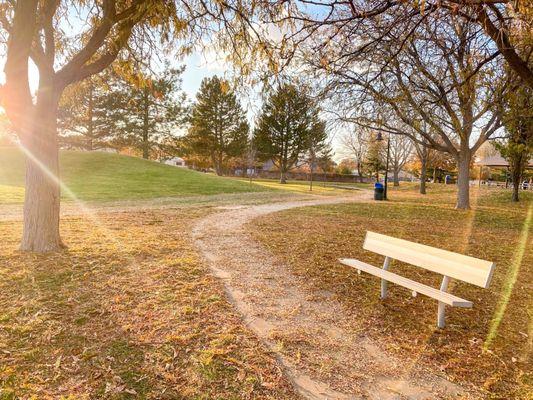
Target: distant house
x,y
403,176
175,161
269,165
106,150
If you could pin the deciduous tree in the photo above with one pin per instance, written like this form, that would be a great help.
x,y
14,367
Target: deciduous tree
x,y
355,144
401,148
70,41
350,29
420,93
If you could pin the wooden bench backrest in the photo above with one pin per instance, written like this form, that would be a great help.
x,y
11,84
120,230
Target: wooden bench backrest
x,y
458,266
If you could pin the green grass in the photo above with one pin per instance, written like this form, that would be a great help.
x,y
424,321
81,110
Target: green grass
x,y
329,189
104,177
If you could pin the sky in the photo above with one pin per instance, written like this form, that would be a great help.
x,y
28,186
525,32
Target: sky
x,y
198,66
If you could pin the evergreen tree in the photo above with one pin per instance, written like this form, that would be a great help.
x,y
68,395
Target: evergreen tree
x,y
517,147
152,109
219,129
284,127
375,156
86,114
108,111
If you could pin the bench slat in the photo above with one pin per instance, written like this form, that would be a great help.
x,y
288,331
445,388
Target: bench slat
x,y
458,266
429,291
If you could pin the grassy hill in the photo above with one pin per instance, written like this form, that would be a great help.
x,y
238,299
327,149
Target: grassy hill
x,y
104,176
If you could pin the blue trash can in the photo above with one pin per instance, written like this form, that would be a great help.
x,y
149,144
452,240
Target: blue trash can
x,y
378,191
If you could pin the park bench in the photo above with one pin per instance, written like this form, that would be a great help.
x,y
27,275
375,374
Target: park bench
x,y
450,265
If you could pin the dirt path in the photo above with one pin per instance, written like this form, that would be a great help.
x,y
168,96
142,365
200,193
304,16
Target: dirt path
x,y
13,212
272,301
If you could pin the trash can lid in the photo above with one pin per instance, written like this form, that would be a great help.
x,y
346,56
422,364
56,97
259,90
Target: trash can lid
x,y
378,185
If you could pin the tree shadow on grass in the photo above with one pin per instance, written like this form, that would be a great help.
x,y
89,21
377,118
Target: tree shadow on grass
x,y
129,316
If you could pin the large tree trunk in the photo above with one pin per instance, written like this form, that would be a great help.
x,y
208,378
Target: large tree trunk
x,y
423,172
516,187
517,167
218,164
396,177
282,176
90,124
359,172
42,197
463,180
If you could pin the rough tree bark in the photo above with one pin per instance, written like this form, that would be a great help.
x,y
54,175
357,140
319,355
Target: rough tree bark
x,y
463,179
396,177
90,119
282,176
516,188
423,172
42,196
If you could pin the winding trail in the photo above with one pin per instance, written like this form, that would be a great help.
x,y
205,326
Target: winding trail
x,y
273,301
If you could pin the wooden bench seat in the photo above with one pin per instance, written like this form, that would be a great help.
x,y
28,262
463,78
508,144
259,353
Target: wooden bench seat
x,y
449,264
416,287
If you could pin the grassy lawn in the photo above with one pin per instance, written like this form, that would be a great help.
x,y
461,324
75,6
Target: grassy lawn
x,y
489,346
103,176
127,312
329,189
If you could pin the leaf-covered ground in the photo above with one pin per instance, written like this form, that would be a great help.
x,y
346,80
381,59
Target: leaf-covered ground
x,y
128,311
489,346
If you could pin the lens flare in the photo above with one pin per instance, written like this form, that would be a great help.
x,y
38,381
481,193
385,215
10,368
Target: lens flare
x,y
510,280
85,210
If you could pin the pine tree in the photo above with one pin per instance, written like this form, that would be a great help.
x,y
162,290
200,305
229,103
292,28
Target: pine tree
x,y
219,129
284,128
86,113
108,111
152,108
374,157
517,147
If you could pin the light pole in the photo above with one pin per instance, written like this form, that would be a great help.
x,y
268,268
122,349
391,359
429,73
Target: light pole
x,y
379,138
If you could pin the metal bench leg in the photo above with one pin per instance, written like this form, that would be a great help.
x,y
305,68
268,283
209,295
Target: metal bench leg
x,y
442,306
440,315
386,264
